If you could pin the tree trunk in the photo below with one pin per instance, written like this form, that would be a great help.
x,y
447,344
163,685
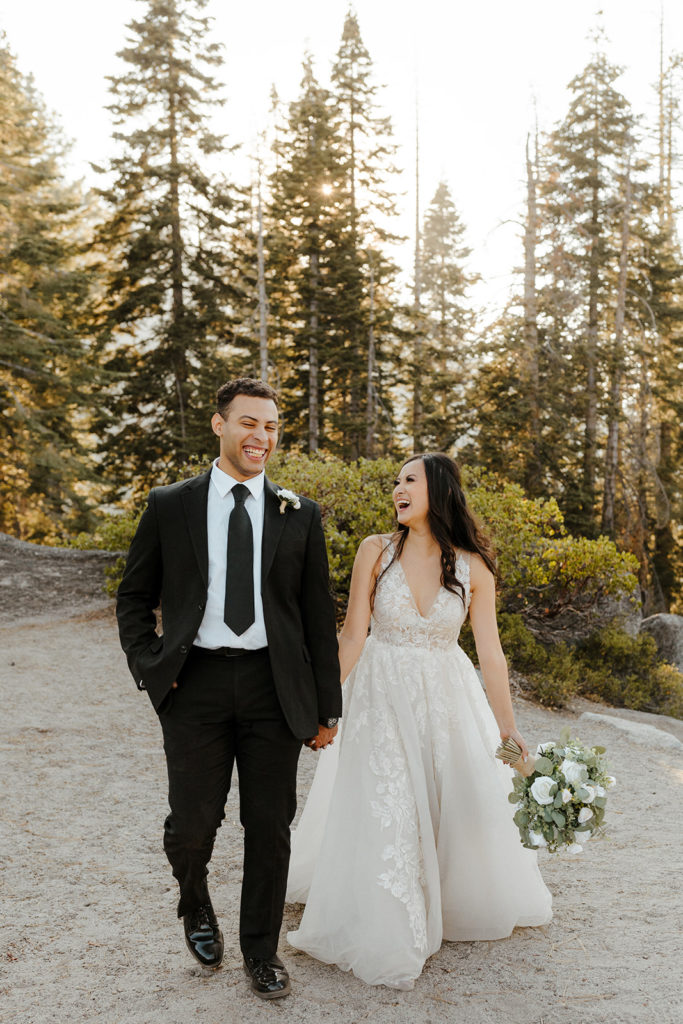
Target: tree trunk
x,y
591,356
371,399
417,303
262,300
614,413
177,297
313,327
533,469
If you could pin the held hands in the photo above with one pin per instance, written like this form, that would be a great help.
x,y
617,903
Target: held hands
x,y
324,738
518,738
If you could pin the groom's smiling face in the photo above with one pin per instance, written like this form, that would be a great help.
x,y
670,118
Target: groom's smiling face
x,y
248,435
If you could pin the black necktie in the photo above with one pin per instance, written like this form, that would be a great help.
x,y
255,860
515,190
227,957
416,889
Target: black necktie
x,y
239,576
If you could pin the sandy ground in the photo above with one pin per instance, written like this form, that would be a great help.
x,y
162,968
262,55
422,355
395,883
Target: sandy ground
x,y
88,930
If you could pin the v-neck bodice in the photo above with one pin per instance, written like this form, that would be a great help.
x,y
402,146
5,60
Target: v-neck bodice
x,y
396,618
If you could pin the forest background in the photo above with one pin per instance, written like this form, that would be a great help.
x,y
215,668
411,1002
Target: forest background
x,y
127,298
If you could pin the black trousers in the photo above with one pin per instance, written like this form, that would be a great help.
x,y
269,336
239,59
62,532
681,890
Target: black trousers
x,y
225,711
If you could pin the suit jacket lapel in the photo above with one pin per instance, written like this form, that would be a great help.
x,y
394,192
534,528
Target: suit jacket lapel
x,y
273,524
195,495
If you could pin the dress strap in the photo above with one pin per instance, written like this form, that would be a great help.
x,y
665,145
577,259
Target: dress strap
x,y
463,561
387,552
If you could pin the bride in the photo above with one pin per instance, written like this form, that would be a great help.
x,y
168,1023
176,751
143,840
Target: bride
x,y
407,837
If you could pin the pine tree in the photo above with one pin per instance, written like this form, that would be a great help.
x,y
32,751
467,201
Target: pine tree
x,y
656,437
447,321
305,252
172,284
588,153
45,361
367,154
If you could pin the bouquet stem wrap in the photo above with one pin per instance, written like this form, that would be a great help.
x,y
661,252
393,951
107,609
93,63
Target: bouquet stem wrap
x,y
510,753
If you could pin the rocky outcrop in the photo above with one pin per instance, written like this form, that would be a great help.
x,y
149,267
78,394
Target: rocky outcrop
x,y
584,617
667,632
36,580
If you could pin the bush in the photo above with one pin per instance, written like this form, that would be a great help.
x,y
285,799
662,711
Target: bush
x,y
542,571
553,579
354,499
625,671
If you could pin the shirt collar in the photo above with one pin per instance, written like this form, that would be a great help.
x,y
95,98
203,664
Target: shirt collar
x,y
223,482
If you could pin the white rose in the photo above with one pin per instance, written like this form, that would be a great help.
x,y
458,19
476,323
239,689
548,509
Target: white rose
x,y
574,772
543,747
540,789
574,848
600,790
591,793
585,814
611,782
537,839
566,796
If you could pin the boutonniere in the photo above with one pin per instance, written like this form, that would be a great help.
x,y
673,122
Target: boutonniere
x,y
287,498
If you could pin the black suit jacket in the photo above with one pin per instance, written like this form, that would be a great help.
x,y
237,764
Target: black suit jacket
x,y
168,564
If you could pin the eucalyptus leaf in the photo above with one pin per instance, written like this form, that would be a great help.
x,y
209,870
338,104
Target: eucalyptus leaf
x,y
544,766
559,819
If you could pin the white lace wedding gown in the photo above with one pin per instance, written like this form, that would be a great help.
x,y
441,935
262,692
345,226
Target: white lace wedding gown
x,y
407,835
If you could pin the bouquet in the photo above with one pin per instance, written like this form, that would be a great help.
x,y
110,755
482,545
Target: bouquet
x,y
562,793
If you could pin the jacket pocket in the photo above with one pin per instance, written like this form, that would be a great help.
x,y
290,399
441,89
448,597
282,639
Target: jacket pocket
x,y
156,645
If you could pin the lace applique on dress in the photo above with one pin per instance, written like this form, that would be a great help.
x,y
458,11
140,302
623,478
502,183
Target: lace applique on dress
x,y
397,621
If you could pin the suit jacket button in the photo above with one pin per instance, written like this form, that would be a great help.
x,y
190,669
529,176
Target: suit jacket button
x,y
201,606
183,649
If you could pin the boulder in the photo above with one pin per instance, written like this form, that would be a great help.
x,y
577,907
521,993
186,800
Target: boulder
x,y
667,631
583,617
38,581
649,735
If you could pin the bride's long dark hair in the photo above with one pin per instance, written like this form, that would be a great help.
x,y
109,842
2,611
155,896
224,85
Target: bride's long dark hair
x,y
450,520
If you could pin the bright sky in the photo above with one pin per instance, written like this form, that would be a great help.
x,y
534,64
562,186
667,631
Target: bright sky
x,y
479,64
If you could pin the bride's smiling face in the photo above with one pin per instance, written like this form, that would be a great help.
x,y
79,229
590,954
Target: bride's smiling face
x,y
410,495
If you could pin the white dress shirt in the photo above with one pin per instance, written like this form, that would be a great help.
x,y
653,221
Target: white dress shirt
x,y
213,631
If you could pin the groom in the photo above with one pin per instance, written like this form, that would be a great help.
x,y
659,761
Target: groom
x,y
245,671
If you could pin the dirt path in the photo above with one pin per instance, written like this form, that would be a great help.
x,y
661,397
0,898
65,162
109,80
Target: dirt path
x,y
88,930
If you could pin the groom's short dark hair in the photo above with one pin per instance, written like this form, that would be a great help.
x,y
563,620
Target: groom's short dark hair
x,y
242,386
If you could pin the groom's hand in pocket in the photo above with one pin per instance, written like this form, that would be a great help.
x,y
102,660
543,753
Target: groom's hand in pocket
x,y
324,738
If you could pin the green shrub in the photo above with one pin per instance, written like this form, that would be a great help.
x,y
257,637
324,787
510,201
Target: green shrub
x,y
354,499
625,671
556,684
542,569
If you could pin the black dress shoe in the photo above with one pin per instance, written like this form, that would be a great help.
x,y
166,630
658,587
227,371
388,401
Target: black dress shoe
x,y
203,936
269,978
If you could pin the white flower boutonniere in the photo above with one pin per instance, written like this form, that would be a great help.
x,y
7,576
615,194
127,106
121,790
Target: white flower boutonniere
x,y
287,498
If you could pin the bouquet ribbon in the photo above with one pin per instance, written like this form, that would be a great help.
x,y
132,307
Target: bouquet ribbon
x,y
510,752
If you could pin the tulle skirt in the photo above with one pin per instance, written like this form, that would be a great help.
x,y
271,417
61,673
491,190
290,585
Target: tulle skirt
x,y
407,836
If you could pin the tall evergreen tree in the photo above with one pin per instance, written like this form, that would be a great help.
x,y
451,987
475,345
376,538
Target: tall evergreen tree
x,y
367,156
167,316
589,150
45,361
305,253
447,319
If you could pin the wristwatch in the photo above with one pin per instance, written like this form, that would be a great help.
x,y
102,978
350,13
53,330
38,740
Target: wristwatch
x,y
328,723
